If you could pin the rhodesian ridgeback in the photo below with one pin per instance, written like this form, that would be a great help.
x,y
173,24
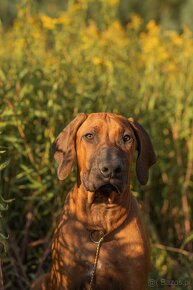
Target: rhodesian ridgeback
x,y
101,242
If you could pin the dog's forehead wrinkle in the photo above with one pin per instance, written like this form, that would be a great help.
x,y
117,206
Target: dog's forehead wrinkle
x,y
92,128
104,122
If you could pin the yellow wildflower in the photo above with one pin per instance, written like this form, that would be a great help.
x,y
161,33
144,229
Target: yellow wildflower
x,y
97,60
177,39
152,26
135,22
117,25
48,22
112,2
63,19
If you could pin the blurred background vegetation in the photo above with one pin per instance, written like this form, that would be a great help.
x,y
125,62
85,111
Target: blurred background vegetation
x,y
58,58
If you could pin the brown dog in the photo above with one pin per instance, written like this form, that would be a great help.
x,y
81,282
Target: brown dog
x,y
100,208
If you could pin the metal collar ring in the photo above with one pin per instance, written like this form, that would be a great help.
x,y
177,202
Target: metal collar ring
x,y
101,235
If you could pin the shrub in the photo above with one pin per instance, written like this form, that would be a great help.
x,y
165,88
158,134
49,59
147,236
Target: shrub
x,y
84,61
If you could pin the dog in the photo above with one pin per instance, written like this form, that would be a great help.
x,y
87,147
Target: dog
x,y
101,242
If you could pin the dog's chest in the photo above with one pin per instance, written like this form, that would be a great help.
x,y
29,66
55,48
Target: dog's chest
x,y
82,251
74,256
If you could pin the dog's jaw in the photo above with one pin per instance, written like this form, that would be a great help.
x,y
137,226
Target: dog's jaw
x,y
98,212
105,190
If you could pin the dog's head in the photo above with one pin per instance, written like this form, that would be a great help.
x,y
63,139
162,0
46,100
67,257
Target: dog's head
x,y
104,146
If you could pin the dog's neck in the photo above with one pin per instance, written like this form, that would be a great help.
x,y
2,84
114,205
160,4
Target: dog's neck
x,y
106,215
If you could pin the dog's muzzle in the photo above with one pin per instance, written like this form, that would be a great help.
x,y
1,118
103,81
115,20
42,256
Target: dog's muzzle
x,y
108,173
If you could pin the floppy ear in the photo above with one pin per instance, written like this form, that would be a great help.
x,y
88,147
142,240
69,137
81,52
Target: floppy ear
x,y
64,146
146,155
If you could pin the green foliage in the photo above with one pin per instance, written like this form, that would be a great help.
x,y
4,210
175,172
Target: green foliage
x,y
53,68
3,208
170,14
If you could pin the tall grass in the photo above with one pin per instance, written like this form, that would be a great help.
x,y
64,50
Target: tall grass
x,y
86,61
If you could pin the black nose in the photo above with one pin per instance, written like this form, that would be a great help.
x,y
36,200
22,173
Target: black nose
x,y
110,164
110,171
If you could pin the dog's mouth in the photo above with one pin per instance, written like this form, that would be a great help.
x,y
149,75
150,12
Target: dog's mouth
x,y
107,189
107,193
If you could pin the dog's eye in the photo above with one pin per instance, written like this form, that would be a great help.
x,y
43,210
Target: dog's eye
x,y
89,136
126,138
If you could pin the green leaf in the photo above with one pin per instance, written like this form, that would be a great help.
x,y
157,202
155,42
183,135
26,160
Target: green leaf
x,y
187,240
3,165
3,207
